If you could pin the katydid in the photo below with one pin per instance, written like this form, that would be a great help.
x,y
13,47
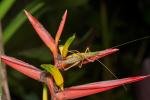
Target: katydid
x,y
83,58
79,58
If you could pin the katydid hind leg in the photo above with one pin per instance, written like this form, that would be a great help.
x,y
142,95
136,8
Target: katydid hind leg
x,y
80,66
72,65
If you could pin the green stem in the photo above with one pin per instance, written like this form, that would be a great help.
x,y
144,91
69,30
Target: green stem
x,y
45,95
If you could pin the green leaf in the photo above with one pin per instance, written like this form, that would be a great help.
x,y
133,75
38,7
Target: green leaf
x,y
66,46
19,20
5,5
54,71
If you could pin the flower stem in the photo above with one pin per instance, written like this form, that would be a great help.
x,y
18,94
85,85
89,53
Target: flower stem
x,y
45,95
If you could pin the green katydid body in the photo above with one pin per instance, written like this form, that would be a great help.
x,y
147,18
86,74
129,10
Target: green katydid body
x,y
77,58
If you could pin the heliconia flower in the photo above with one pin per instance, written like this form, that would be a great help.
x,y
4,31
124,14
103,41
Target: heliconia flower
x,y
84,58
53,44
70,92
54,79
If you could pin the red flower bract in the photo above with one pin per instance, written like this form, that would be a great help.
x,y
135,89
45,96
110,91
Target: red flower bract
x,y
22,67
60,29
43,34
101,54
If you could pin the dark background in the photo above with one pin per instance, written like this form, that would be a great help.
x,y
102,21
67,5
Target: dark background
x,y
98,24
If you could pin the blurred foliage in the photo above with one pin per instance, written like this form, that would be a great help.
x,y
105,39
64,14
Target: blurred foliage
x,y
19,20
5,5
99,24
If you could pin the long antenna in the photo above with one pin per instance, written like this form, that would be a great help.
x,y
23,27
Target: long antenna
x,y
131,41
111,73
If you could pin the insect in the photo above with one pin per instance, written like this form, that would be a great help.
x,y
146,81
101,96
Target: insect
x,y
83,58
77,58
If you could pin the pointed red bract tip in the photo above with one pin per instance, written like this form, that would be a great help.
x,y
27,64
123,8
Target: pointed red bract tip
x,y
22,67
43,33
96,87
101,54
109,51
61,27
